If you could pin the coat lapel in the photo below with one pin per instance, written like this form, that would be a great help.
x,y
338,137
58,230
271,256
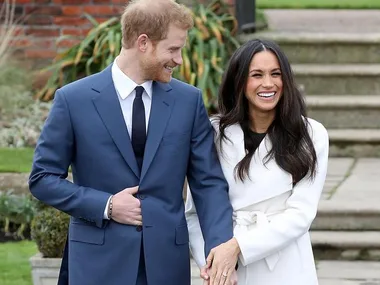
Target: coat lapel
x,y
266,180
162,104
107,104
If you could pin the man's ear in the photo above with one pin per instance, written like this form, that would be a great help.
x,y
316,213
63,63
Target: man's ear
x,y
142,42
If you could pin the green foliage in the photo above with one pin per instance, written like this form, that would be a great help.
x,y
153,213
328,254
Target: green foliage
x,y
209,47
91,55
49,231
15,85
21,117
18,210
24,130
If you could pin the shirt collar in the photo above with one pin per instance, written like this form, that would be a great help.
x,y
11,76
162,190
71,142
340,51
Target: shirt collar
x,y
125,85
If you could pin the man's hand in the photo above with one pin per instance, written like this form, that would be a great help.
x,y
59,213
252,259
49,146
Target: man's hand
x,y
234,278
205,275
223,259
126,208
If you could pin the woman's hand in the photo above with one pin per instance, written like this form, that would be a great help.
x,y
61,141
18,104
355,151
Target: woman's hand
x,y
223,259
206,277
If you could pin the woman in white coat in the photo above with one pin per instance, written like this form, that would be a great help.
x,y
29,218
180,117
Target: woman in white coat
x,y
275,161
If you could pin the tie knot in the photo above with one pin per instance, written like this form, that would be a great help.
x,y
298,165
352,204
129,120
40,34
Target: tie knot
x,y
139,91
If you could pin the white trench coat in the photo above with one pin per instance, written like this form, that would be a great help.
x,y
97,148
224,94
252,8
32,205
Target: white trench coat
x,y
271,217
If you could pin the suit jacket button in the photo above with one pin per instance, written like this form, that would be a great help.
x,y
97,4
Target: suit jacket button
x,y
141,197
139,228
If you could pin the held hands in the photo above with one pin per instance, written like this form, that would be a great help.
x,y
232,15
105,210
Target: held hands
x,y
223,259
205,274
126,208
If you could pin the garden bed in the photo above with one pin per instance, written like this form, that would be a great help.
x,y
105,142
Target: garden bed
x,y
8,237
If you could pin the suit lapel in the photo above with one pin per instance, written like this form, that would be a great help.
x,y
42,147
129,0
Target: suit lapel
x,y
162,104
107,104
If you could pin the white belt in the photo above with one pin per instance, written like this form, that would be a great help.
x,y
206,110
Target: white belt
x,y
244,219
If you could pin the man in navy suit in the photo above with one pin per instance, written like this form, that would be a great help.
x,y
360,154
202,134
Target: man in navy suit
x,y
132,134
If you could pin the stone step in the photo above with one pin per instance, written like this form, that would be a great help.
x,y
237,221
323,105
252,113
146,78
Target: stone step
x,y
345,111
354,142
326,48
339,79
348,215
346,245
333,272
336,272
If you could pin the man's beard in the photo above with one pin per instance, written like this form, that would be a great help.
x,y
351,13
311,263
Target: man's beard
x,y
154,70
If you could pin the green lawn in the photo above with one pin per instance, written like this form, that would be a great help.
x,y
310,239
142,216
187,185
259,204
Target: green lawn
x,y
14,262
330,4
16,160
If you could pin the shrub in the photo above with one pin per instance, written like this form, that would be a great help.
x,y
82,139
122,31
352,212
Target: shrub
x,y
49,231
20,125
24,130
21,117
15,86
16,210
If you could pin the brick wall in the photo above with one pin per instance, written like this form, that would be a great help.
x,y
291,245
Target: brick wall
x,y
47,20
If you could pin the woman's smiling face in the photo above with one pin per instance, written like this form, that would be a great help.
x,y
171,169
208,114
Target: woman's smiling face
x,y
264,85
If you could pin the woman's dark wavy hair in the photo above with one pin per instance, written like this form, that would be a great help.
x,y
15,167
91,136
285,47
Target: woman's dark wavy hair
x,y
293,149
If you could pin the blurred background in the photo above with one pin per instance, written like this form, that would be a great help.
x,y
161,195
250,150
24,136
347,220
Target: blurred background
x,y
334,50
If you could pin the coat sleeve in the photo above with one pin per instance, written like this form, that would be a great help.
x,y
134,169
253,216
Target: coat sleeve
x,y
52,157
195,233
301,208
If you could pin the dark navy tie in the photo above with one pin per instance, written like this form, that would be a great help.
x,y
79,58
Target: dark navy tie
x,y
138,126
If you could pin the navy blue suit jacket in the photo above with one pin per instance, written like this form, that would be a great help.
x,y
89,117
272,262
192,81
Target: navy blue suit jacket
x,y
86,129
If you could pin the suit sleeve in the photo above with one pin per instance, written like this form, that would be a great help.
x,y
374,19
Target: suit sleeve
x,y
295,221
209,189
52,158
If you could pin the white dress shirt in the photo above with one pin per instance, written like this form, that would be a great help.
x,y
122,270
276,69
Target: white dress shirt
x,y
125,89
